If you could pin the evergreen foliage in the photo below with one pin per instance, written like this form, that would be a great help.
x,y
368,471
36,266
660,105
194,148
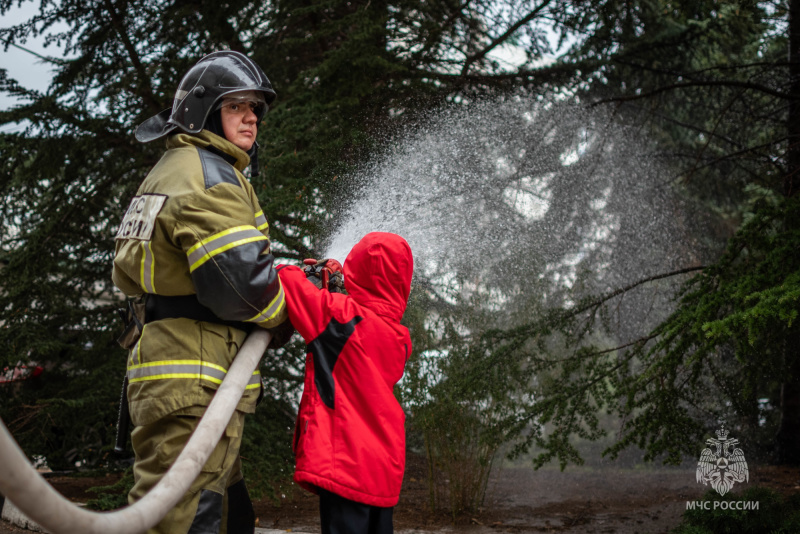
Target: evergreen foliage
x,y
113,496
712,360
713,81
708,81
342,71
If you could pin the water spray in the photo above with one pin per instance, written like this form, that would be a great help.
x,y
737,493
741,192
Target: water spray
x,y
519,196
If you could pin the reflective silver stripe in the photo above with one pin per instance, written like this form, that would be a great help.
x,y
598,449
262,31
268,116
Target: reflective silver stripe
x,y
155,372
255,380
261,222
195,369
220,242
273,309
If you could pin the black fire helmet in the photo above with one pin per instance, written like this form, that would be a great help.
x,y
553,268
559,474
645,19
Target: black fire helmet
x,y
207,82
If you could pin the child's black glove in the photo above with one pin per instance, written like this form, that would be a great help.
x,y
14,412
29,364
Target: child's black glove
x,y
325,274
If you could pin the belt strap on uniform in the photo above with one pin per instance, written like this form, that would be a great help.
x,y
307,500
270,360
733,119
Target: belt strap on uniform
x,y
158,307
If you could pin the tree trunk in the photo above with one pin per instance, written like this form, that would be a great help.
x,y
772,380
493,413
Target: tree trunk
x,y
788,438
791,181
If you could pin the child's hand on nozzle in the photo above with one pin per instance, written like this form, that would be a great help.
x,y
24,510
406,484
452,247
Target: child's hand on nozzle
x,y
325,273
313,271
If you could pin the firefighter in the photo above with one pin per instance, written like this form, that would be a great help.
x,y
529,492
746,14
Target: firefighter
x,y
193,254
349,441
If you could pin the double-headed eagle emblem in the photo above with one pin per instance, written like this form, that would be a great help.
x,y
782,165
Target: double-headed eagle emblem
x,y
724,467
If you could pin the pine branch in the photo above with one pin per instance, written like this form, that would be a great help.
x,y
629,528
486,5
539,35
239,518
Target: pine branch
x,y
49,59
144,80
746,150
693,127
717,122
534,77
640,341
502,38
620,291
772,64
722,83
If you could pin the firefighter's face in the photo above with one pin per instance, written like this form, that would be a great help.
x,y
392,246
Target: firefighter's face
x,y
240,119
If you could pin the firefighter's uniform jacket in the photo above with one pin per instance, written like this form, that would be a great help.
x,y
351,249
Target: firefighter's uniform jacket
x,y
195,227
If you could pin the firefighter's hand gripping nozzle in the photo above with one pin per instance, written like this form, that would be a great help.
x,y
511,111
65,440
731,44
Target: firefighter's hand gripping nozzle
x,y
325,274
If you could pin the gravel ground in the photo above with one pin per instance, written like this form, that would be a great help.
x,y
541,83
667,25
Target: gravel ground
x,y
519,500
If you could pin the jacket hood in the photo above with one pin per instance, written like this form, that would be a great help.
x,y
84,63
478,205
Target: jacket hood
x,y
377,273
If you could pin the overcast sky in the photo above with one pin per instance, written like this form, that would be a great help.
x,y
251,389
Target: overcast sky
x,y
26,68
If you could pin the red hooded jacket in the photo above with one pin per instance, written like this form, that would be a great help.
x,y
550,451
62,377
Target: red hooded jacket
x,y
350,435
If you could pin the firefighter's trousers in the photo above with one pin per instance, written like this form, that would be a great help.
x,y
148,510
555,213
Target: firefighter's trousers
x,y
217,501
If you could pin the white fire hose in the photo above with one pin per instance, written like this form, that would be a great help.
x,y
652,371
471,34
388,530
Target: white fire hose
x,y
37,499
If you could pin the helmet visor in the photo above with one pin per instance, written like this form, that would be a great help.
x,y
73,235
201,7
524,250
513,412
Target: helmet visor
x,y
240,103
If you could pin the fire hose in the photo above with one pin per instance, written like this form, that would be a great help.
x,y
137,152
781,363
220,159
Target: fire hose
x,y
38,500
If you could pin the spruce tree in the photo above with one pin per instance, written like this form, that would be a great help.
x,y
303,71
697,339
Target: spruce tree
x,y
343,71
709,80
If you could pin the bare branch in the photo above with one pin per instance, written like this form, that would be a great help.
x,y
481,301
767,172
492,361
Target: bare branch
x,y
521,333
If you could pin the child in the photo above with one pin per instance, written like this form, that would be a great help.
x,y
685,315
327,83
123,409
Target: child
x,y
349,441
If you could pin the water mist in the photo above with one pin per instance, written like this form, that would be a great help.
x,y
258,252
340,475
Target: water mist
x,y
517,195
